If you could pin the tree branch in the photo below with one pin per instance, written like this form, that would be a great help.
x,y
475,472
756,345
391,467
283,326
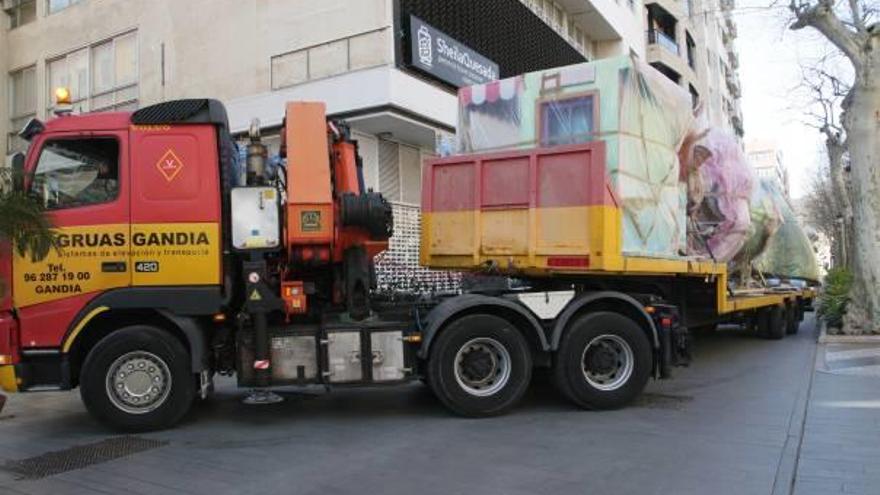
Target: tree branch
x,y
858,21
822,17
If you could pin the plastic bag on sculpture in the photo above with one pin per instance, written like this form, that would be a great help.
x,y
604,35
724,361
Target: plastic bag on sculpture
x,y
640,115
789,253
719,189
766,219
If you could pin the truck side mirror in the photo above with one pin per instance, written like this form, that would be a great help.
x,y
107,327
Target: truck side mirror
x,y
18,171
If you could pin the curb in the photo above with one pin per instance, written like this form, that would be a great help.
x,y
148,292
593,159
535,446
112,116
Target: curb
x,y
824,338
787,468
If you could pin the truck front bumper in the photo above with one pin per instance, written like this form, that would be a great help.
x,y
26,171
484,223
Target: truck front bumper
x,y
8,378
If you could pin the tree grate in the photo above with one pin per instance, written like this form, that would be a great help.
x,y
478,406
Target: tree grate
x,y
80,456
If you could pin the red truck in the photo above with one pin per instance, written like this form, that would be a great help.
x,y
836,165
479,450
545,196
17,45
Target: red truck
x,y
175,266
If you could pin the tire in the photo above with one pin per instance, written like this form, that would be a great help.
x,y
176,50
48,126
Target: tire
x,y
156,357
771,323
609,332
792,323
480,365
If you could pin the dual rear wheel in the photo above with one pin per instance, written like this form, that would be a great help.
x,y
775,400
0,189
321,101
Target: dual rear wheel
x,y
481,365
776,322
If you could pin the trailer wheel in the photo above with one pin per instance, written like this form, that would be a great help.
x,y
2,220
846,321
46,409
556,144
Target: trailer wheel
x,y
138,378
603,362
480,365
771,323
792,324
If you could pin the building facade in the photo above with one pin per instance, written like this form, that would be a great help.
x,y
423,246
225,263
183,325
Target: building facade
x,y
359,56
692,43
767,162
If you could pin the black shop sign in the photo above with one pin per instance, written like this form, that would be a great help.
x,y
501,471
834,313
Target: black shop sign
x,y
445,58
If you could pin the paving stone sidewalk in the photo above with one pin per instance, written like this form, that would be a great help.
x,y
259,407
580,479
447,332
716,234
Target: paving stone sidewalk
x,y
840,449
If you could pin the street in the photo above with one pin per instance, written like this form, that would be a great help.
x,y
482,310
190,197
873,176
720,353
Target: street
x,y
731,423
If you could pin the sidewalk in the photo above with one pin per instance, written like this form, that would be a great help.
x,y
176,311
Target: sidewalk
x,y
840,450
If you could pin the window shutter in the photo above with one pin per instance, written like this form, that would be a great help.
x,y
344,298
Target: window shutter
x,y
389,170
410,175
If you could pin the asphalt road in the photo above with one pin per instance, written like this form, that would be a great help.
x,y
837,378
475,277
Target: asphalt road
x,y
730,423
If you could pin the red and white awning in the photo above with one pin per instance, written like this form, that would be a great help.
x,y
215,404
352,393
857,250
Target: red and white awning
x,y
505,89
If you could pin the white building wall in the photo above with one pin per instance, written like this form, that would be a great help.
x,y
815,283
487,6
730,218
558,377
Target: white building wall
x,y
181,55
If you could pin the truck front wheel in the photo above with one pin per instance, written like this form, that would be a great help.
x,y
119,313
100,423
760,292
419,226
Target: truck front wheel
x,y
480,365
603,361
138,378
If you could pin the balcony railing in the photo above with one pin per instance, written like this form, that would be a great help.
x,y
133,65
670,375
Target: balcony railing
x,y
664,40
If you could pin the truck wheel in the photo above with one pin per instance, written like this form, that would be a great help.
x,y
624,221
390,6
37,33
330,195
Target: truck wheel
x,y
771,323
138,378
792,323
603,362
480,365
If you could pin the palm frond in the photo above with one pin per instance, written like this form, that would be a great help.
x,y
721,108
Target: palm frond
x,y
24,224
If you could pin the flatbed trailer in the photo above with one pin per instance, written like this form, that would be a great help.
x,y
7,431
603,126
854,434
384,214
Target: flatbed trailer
x,y
550,217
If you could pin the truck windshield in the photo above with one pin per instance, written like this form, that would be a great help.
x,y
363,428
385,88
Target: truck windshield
x,y
77,172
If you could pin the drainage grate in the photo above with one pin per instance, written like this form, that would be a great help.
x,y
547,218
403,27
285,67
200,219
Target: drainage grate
x,y
662,401
80,456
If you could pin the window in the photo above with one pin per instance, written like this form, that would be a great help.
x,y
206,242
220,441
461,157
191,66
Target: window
x,y
329,59
114,74
691,50
20,12
102,77
58,5
23,104
695,97
77,172
559,17
567,121
72,72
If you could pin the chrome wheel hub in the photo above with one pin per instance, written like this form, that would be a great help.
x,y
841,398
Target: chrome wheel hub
x,y
607,362
138,382
482,366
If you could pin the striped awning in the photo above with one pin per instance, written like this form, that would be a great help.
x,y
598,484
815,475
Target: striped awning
x,y
504,89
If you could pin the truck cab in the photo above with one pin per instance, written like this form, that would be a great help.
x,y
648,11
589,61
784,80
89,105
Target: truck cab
x,y
137,211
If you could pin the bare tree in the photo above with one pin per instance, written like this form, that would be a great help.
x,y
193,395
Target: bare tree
x,y
826,92
852,28
822,212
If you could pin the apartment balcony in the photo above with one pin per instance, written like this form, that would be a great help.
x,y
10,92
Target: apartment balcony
x,y
729,33
592,17
733,59
733,85
730,26
737,123
663,40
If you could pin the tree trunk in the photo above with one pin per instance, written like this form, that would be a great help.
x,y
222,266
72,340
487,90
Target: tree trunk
x,y
862,124
840,201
